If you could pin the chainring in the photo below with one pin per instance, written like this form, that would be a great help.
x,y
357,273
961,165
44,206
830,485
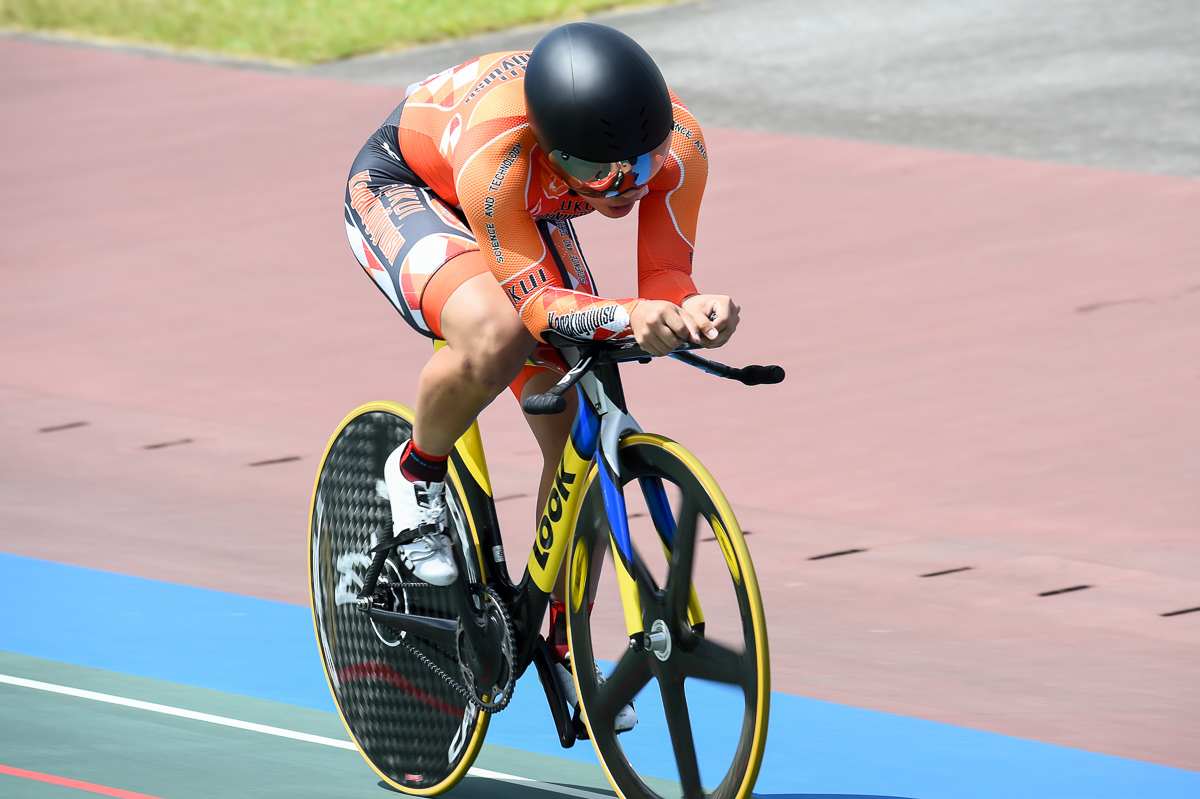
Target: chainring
x,y
492,698
386,598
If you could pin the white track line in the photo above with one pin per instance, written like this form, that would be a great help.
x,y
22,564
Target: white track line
x,y
176,711
269,730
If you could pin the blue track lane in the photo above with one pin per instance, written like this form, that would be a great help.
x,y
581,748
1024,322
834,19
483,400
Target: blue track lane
x,y
264,649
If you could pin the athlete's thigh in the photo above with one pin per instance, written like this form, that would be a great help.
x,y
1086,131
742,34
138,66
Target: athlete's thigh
x,y
426,261
478,317
402,236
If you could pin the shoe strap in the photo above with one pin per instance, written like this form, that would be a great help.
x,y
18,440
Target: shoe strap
x,y
408,536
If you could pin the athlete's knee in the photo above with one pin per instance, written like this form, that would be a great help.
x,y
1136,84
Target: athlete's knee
x,y
495,353
482,326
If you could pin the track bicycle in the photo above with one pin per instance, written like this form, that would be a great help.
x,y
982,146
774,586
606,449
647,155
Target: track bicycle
x,y
416,670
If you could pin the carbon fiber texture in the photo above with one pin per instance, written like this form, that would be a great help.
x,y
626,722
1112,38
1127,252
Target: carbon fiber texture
x,y
410,725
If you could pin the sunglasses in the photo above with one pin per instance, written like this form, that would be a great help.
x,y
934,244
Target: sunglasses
x,y
605,179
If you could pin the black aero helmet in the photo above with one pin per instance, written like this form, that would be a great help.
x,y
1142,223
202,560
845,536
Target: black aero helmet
x,y
599,108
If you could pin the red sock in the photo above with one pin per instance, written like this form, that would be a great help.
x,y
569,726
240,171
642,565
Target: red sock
x,y
417,465
558,630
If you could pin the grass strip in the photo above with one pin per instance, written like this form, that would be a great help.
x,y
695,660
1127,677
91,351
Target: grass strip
x,y
297,31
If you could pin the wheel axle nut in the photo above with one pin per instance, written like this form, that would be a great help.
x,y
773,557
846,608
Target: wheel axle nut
x,y
658,640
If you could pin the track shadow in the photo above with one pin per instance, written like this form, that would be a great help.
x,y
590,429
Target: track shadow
x,y
493,789
826,796
502,790
482,788
588,788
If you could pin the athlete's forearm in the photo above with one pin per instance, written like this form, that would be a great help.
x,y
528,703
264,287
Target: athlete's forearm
x,y
577,314
672,285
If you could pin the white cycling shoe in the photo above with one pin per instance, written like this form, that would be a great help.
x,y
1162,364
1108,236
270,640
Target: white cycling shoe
x,y
419,515
626,718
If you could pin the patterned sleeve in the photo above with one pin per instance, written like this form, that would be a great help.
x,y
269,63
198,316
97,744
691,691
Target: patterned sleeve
x,y
668,214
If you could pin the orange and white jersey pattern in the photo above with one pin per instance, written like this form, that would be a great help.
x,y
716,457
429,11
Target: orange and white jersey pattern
x,y
465,133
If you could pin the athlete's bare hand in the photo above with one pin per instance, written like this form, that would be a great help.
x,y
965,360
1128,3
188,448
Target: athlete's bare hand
x,y
661,326
714,315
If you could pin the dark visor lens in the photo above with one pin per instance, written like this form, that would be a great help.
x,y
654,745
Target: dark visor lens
x,y
610,178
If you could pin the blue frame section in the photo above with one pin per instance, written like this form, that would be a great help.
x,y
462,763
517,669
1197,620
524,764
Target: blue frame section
x,y
614,506
660,508
585,432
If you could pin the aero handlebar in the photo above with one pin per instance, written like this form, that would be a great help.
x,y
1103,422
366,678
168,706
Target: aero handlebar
x,y
553,400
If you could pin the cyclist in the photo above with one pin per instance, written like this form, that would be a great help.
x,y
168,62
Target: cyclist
x,y
460,208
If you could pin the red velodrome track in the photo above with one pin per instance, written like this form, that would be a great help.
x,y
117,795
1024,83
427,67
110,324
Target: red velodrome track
x,y
992,363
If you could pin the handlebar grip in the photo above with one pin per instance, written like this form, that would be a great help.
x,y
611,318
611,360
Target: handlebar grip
x,y
544,404
761,375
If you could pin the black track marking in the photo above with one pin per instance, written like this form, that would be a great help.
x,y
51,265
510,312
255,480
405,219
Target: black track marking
x,y
836,554
168,444
1058,591
288,459
57,427
948,571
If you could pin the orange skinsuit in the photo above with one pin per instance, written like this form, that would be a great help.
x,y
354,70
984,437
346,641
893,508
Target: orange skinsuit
x,y
465,133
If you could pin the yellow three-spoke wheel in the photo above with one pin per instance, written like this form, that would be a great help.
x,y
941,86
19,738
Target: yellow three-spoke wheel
x,y
706,670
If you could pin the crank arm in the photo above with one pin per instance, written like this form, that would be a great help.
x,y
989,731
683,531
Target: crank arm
x,y
443,632
560,709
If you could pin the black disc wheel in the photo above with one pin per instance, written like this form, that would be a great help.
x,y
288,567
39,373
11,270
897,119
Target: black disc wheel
x,y
700,670
414,729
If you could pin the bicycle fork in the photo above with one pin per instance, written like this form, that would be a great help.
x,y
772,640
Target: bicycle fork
x,y
683,624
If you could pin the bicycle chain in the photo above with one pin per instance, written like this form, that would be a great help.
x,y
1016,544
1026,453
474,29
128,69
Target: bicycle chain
x,y
462,690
